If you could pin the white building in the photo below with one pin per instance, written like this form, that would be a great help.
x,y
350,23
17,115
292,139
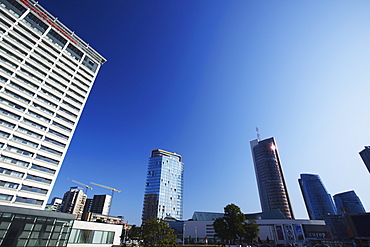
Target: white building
x,y
74,202
46,74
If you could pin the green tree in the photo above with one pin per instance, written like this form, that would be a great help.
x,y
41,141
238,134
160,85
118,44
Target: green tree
x,y
231,226
251,230
156,232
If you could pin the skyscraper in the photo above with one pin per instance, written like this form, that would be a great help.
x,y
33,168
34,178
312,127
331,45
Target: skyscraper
x,y
270,178
46,74
348,202
164,186
101,204
74,202
318,201
365,155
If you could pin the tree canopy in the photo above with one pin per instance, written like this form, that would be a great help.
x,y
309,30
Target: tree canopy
x,y
234,227
156,232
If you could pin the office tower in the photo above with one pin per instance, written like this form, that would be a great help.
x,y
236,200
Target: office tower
x,y
164,186
101,204
365,155
270,178
348,202
74,202
54,205
46,74
318,202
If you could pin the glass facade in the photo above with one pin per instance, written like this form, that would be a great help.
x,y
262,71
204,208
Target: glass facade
x,y
348,202
270,178
164,186
318,202
22,227
82,236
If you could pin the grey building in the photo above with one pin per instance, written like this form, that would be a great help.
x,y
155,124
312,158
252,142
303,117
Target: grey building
x,y
272,188
348,202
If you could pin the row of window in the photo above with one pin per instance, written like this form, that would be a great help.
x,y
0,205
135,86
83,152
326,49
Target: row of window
x,y
21,199
58,42
21,175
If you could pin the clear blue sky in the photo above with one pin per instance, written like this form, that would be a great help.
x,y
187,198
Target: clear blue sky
x,y
196,78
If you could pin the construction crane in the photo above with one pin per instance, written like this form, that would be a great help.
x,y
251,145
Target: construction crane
x,y
86,186
109,188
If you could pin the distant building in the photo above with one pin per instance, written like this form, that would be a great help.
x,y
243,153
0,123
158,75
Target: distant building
x,y
46,75
164,186
54,205
74,202
365,155
348,202
272,188
101,204
318,202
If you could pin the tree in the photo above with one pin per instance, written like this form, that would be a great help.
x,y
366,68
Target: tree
x,y
231,226
251,230
156,232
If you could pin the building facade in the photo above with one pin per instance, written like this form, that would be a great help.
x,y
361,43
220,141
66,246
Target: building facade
x,y
54,205
164,186
348,202
101,204
272,188
46,74
74,202
317,200
365,155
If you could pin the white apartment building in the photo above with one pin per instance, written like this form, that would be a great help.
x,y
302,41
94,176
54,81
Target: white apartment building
x,y
46,74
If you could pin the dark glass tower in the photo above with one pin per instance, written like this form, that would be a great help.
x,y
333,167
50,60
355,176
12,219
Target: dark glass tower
x,y
270,178
365,155
318,202
164,186
348,202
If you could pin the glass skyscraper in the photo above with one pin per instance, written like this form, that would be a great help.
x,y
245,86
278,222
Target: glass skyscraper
x,y
46,75
270,178
365,155
318,202
164,186
348,202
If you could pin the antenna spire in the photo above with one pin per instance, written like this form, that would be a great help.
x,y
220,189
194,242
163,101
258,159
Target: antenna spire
x,y
258,133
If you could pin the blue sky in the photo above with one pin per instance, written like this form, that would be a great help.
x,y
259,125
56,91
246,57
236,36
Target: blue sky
x,y
197,77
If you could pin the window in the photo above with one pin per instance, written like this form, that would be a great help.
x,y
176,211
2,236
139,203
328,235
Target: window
x,y
43,109
11,172
11,104
6,197
4,134
68,112
27,82
54,142
17,96
43,169
70,105
8,62
24,141
19,151
29,200
28,132
35,23
7,113
39,116
7,124
13,161
8,184
62,126
46,159
50,94
21,89
14,7
38,179
56,38
54,88
51,150
34,189
46,101
58,134
73,99
74,52
65,119
34,124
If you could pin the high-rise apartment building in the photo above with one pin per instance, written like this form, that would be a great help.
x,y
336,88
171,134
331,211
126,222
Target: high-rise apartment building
x,y
365,155
272,188
54,205
46,74
101,204
318,201
348,202
74,202
164,186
